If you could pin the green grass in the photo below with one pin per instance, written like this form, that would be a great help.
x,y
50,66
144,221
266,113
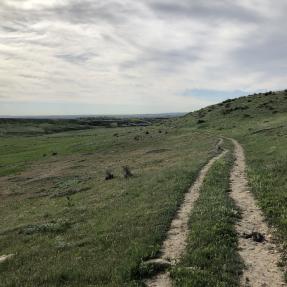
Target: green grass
x,y
267,161
67,226
99,235
211,257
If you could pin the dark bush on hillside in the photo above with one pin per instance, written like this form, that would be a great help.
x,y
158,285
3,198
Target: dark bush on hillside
x,y
263,105
229,110
201,121
242,108
226,111
109,175
127,172
137,138
227,101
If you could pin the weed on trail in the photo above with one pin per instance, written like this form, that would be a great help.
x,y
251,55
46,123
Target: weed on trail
x,y
211,256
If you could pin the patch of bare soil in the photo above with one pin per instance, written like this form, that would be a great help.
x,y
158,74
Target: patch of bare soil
x,y
255,245
175,243
5,257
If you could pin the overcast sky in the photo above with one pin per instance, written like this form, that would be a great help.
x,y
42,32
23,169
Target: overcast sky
x,y
146,56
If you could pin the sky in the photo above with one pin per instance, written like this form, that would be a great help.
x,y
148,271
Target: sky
x,y
62,57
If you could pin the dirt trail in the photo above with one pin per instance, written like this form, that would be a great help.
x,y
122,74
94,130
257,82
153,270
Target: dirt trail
x,y
260,258
175,243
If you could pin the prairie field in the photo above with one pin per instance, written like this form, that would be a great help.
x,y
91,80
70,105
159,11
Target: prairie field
x,y
67,225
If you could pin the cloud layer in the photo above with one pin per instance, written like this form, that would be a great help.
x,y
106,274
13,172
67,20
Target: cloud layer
x,y
137,56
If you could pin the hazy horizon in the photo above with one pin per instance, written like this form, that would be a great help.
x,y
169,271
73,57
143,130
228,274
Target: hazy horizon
x,y
172,114
66,57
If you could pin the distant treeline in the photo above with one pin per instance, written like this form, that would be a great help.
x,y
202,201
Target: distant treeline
x,y
14,126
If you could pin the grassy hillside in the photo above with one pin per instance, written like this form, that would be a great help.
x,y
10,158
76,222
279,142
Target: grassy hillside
x,y
250,113
68,226
259,122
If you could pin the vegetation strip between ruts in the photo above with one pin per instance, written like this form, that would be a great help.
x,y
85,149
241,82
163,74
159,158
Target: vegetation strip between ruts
x,y
175,244
211,257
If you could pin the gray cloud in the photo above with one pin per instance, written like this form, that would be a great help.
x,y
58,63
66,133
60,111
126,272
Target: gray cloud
x,y
168,61
111,52
265,54
77,58
93,12
208,9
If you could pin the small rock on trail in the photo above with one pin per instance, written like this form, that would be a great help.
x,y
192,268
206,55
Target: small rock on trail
x,y
5,257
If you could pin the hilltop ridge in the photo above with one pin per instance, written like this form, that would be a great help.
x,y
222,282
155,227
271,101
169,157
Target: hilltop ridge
x,y
250,111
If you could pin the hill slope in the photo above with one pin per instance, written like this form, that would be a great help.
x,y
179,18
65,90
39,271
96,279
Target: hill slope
x,y
245,114
67,226
259,123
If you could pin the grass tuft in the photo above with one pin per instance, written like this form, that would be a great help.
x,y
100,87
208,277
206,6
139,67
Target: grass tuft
x,y
211,257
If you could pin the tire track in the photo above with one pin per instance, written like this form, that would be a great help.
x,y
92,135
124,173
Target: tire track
x,y
255,246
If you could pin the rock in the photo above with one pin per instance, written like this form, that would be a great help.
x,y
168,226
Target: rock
x,y
255,236
5,257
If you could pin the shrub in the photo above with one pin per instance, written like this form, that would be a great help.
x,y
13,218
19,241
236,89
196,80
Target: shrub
x,y
127,172
109,175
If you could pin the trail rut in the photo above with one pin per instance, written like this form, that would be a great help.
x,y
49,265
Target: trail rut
x,y
260,258
175,243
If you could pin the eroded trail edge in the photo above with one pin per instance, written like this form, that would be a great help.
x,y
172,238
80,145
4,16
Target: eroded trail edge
x,y
255,245
175,244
